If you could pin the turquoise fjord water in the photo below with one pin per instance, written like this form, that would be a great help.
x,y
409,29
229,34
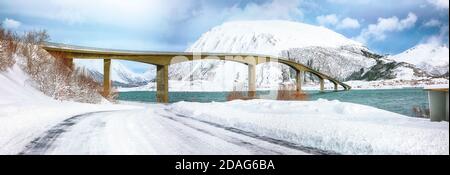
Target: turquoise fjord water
x,y
399,101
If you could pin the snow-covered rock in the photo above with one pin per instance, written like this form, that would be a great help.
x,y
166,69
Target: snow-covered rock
x,y
339,62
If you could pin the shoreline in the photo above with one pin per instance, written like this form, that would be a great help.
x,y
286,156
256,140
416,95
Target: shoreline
x,y
259,90
356,85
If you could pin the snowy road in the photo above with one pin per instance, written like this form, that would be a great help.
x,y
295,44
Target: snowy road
x,y
153,130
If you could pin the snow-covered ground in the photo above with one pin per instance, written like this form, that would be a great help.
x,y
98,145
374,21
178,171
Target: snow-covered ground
x,y
32,123
329,125
25,113
152,131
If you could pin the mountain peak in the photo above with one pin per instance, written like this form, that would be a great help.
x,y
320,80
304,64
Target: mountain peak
x,y
267,37
432,58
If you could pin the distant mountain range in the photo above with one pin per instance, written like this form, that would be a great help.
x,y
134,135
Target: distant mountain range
x,y
314,46
120,74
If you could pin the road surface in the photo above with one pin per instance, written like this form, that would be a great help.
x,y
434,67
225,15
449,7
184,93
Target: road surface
x,y
154,130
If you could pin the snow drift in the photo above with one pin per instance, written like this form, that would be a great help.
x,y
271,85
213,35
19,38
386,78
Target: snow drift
x,y
341,127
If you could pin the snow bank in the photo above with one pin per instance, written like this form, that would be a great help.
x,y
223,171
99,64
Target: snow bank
x,y
329,125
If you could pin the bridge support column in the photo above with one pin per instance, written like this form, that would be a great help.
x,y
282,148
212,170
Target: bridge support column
x,y
299,80
335,86
251,80
162,83
322,84
106,77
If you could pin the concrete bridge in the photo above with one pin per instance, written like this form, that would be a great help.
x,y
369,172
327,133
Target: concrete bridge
x,y
162,60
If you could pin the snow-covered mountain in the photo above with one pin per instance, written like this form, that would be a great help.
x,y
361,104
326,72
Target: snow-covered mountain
x,y
317,47
120,74
431,58
268,37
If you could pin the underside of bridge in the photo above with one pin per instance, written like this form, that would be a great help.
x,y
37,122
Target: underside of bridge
x,y
163,60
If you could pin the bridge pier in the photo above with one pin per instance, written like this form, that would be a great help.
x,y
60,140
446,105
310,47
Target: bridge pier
x,y
106,77
251,80
162,83
322,84
335,86
299,80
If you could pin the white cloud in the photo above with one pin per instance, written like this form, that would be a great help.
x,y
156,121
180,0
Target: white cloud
x,y
135,13
393,24
151,16
432,23
275,9
350,1
327,20
10,23
439,39
441,4
348,23
334,21
207,15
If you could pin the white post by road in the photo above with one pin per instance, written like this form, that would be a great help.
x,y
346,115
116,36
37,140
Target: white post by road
x,y
438,99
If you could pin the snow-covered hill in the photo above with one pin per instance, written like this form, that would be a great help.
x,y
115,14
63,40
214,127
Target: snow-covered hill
x,y
16,87
120,74
431,58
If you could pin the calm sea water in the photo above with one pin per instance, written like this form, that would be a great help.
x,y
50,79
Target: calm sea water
x,y
396,100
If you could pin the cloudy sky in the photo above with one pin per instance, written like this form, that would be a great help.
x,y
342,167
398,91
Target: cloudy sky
x,y
385,26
